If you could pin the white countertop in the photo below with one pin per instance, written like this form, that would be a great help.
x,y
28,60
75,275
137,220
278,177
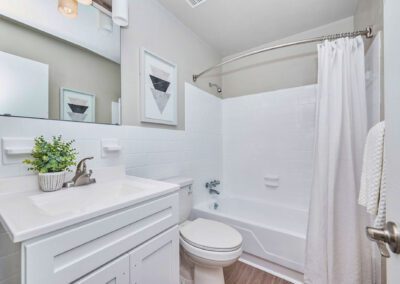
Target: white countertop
x,y
26,212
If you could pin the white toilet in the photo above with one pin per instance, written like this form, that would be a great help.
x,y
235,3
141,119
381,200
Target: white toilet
x,y
206,245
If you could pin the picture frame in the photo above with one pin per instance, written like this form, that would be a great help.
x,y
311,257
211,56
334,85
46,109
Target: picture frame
x,y
76,105
158,89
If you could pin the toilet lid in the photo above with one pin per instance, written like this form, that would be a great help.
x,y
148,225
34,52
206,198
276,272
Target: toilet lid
x,y
211,235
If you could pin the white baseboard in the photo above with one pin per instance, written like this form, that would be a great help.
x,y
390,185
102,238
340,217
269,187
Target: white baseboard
x,y
284,273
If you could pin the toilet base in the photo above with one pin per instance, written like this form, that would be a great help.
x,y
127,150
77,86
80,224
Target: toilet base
x,y
207,275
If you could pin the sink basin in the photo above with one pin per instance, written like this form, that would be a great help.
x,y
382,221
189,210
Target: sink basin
x,y
32,213
85,198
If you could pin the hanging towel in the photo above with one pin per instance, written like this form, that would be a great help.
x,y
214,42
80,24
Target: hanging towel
x,y
380,219
373,180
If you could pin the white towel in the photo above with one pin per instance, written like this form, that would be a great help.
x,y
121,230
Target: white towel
x,y
373,180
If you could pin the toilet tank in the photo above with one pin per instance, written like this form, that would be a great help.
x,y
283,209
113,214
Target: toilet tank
x,y
185,196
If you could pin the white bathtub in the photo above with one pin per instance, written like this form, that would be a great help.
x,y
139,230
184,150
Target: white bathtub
x,y
270,232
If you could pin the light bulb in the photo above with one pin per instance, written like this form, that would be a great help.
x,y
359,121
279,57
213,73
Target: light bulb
x,y
68,8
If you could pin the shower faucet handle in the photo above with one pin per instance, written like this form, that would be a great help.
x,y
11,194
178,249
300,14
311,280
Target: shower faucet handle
x,y
213,184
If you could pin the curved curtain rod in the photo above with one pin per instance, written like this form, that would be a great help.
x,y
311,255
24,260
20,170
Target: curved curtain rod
x,y
367,33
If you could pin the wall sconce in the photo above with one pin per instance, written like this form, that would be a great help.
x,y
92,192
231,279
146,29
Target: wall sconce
x,y
120,12
68,8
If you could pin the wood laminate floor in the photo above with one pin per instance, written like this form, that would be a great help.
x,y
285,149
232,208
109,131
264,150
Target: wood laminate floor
x,y
241,273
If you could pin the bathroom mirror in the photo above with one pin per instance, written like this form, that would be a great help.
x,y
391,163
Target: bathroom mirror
x,y
59,68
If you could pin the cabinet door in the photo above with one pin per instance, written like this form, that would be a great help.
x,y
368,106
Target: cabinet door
x,y
116,272
157,261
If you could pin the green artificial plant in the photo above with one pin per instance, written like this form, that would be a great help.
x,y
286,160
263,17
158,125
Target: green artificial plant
x,y
52,156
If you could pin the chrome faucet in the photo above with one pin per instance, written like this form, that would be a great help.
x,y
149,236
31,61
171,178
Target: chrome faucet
x,y
82,176
214,191
212,185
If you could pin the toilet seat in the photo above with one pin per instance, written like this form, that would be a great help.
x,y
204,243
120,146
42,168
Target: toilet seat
x,y
217,257
211,235
211,240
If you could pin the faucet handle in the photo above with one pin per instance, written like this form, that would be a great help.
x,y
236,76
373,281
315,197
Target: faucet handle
x,y
212,184
82,176
82,164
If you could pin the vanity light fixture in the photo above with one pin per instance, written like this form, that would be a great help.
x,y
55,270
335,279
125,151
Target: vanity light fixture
x,y
86,2
68,8
120,13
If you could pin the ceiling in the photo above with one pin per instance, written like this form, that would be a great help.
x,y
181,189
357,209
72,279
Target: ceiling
x,y
231,26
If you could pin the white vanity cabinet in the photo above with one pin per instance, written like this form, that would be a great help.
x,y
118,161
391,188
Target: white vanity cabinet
x,y
155,262
115,272
120,230
138,244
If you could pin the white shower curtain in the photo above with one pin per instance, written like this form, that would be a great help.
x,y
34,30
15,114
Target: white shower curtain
x,y
337,249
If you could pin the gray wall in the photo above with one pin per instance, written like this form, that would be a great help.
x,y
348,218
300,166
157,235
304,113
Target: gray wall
x,y
370,12
69,66
153,27
285,68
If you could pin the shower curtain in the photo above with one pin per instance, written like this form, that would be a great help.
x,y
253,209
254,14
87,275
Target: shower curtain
x,y
337,250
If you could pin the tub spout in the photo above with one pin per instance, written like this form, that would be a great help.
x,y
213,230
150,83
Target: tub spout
x,y
214,191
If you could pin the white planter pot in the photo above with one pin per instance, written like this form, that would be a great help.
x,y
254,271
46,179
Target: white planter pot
x,y
51,181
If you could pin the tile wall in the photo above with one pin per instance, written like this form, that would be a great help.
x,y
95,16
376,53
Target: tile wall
x,y
268,146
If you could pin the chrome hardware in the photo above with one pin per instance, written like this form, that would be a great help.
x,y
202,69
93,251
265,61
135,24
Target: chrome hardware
x,y
211,191
212,185
190,190
82,176
219,90
216,205
368,33
389,235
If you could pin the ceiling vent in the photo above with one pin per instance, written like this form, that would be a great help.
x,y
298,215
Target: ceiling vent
x,y
195,3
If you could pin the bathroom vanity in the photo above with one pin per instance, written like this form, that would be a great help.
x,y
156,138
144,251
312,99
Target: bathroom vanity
x,y
118,230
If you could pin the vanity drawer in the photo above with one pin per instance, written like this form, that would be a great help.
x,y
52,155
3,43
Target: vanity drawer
x,y
66,256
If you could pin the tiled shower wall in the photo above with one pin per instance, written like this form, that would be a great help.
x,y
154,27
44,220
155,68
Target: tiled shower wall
x,y
147,152
268,146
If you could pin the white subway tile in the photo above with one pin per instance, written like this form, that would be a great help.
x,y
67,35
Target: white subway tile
x,y
269,133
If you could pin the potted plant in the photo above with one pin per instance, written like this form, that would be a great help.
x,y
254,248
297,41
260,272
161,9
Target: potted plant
x,y
51,160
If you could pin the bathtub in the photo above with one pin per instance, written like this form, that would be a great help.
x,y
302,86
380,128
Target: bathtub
x,y
271,232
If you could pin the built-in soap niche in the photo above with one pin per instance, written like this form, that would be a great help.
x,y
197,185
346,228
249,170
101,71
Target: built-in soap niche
x,y
110,147
15,150
272,181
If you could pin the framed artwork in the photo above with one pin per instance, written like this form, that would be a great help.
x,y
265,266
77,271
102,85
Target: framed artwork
x,y
158,96
77,106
